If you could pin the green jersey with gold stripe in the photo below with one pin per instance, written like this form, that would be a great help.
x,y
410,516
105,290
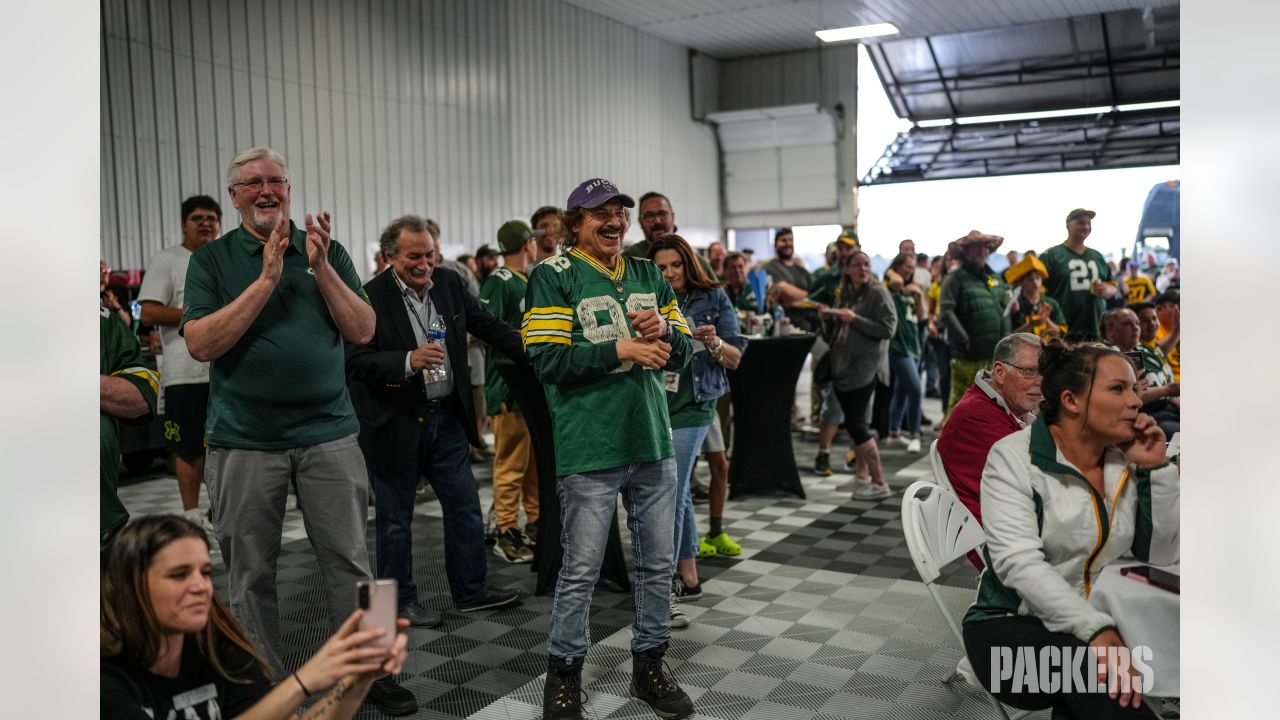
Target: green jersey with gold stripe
x,y
119,356
606,413
1071,278
503,293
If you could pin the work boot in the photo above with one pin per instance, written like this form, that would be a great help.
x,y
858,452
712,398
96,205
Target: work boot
x,y
650,684
562,695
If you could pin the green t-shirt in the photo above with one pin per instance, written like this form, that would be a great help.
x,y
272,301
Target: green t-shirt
x,y
684,410
119,356
1071,278
906,337
825,282
283,384
503,293
605,413
744,299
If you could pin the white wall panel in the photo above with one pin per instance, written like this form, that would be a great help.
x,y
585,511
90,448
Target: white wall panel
x,y
468,112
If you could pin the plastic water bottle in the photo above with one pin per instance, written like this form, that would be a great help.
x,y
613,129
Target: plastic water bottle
x,y
777,321
436,334
135,309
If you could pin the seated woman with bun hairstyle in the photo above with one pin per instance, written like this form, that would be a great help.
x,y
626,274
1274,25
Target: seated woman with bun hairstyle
x,y
1061,499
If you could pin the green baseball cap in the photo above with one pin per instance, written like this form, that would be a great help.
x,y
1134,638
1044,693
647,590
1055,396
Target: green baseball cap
x,y
513,235
1078,212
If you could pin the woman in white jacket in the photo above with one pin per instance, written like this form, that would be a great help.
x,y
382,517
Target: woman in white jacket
x,y
1062,498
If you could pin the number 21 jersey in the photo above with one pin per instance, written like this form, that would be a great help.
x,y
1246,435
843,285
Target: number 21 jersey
x,y
1071,278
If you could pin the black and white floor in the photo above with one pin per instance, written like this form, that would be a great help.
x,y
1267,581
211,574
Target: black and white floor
x,y
819,618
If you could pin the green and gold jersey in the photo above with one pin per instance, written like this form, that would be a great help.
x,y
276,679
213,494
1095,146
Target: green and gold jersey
x,y
906,337
1025,311
118,356
1140,289
1071,278
606,413
503,293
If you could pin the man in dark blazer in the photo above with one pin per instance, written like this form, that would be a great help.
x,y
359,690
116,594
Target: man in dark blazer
x,y
413,423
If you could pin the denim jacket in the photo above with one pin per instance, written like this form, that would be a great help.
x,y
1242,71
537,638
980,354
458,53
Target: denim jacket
x,y
702,307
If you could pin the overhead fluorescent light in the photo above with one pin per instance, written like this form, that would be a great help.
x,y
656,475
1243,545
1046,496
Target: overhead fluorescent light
x,y
1150,105
934,123
1101,109
857,32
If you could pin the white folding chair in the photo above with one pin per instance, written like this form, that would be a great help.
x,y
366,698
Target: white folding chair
x,y
939,472
940,530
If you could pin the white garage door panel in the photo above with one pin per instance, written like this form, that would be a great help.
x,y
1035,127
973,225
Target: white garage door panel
x,y
751,165
752,195
810,160
806,130
808,193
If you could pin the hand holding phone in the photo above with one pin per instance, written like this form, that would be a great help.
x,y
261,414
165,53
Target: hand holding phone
x,y
378,600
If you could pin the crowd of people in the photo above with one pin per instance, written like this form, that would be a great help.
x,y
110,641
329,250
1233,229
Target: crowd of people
x,y
283,372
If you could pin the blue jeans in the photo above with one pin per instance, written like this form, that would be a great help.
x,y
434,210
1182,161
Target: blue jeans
x,y
906,393
587,503
688,442
444,457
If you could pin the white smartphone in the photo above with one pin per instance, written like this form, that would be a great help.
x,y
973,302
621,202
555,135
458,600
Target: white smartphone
x,y
378,600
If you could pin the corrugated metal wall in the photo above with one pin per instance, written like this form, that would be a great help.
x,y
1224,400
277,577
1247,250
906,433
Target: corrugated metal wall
x,y
470,111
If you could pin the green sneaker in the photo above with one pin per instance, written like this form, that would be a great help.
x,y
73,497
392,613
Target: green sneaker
x,y
705,549
822,464
724,545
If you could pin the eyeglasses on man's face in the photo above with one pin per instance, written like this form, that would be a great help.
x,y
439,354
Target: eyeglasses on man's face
x,y
256,184
1026,372
658,215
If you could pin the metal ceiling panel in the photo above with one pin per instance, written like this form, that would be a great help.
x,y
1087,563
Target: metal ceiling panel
x,y
1111,140
1115,58
741,28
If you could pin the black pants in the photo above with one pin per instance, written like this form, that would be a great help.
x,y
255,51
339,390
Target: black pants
x,y
854,404
1018,632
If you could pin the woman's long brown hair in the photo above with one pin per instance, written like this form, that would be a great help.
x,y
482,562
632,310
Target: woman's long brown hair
x,y
129,628
694,276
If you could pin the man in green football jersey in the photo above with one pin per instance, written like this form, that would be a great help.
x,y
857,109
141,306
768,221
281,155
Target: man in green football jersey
x,y
1079,278
599,331
515,477
127,392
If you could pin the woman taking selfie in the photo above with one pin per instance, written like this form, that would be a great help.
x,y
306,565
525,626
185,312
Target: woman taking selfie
x,y
170,648
1061,499
859,324
691,401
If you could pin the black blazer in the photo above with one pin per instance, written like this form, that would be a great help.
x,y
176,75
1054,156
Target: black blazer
x,y
390,406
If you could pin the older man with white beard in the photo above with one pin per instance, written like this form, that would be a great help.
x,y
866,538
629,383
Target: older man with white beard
x,y
268,305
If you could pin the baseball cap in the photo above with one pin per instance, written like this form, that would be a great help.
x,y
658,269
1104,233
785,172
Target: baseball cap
x,y
849,238
486,251
513,235
595,192
1078,212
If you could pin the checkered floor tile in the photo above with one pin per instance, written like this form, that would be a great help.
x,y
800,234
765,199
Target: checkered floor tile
x,y
818,618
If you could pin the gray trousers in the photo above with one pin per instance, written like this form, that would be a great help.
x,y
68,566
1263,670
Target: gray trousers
x,y
248,490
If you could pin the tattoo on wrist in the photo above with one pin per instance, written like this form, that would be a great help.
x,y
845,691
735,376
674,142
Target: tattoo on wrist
x,y
331,699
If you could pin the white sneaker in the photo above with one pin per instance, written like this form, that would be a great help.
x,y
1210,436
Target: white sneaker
x,y
914,445
199,517
678,618
870,491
